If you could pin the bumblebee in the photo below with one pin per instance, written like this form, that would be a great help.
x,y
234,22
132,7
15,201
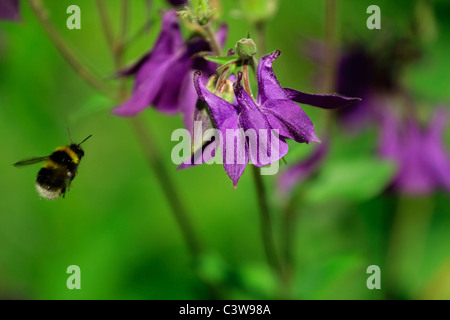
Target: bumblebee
x,y
58,171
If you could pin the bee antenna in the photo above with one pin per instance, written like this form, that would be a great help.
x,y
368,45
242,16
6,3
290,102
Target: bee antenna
x,y
70,137
85,139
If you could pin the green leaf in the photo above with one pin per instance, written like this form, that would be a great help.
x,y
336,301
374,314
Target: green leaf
x,y
351,179
95,103
221,60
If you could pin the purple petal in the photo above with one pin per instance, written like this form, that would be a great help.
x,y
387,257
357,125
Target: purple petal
x,y
187,100
168,100
414,175
9,10
202,155
234,149
290,120
221,34
265,145
434,150
168,43
220,109
145,94
268,85
325,101
389,141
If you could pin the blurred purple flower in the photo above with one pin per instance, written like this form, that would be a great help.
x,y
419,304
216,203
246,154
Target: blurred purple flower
x,y
355,76
301,171
163,77
9,10
424,165
367,74
274,109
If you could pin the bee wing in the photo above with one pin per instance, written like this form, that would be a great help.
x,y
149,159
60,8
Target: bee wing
x,y
30,161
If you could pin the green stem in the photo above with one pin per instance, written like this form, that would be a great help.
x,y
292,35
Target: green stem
x,y
260,28
106,24
406,248
211,38
266,222
156,162
331,40
246,79
289,227
80,68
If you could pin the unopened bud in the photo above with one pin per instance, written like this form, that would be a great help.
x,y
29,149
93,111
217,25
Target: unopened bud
x,y
246,48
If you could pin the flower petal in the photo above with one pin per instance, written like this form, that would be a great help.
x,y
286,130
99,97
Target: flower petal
x,y
265,145
187,100
290,120
147,91
268,85
220,109
434,150
234,149
168,43
9,10
202,155
168,98
325,101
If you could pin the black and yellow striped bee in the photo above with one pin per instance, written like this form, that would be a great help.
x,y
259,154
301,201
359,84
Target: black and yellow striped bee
x,y
58,171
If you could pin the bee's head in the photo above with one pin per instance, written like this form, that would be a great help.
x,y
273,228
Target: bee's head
x,y
77,149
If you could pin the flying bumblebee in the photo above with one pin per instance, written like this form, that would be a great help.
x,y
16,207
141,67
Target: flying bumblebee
x,y
58,171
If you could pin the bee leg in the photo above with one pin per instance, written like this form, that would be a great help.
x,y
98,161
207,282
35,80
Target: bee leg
x,y
68,184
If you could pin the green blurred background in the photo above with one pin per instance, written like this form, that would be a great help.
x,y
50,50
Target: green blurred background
x,y
115,222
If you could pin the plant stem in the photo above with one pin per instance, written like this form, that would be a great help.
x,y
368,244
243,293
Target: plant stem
x,y
266,222
169,190
84,72
331,39
211,37
106,24
289,224
406,248
260,28
246,79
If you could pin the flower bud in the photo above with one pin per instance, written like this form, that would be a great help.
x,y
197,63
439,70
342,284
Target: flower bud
x,y
202,12
246,48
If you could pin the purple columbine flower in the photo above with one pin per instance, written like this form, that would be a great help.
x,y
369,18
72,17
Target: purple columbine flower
x,y
274,109
163,77
423,163
9,10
